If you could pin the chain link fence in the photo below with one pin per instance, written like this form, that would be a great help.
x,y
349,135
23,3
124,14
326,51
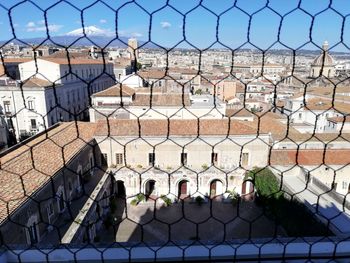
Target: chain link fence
x,y
212,142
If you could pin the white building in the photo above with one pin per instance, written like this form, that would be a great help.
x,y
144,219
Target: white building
x,y
174,146
128,103
49,93
3,132
315,114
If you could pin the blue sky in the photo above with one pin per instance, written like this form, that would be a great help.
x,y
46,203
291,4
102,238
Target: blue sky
x,y
200,24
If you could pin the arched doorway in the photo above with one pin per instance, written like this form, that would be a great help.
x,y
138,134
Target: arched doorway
x,y
183,189
216,188
150,188
248,190
120,189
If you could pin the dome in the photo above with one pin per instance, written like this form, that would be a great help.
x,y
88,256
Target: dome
x,y
324,59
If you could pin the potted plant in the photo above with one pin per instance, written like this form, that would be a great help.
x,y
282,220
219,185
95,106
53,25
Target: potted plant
x,y
234,196
167,201
138,199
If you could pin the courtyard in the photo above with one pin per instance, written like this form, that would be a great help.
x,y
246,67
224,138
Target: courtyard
x,y
215,220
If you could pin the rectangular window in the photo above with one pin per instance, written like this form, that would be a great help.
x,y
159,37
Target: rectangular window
x,y
345,185
30,104
151,158
245,159
119,158
33,124
214,158
7,106
184,158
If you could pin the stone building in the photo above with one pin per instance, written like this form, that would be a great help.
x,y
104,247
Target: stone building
x,y
57,186
50,91
323,64
44,182
174,156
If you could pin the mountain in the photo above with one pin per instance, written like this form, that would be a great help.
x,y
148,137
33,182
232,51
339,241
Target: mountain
x,y
94,36
91,31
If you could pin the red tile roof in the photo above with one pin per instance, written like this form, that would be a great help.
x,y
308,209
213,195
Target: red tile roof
x,y
310,157
27,168
75,61
175,127
115,91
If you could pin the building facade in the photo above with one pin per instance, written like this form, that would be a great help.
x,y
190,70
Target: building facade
x,y
51,94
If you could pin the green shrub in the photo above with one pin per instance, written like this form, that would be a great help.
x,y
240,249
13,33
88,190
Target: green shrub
x,y
198,92
166,200
234,196
140,197
134,202
292,215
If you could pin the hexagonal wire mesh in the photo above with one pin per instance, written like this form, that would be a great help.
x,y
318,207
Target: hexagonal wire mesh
x,y
187,140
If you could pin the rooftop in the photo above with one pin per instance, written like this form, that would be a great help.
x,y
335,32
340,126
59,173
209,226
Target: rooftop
x,y
74,61
173,127
115,91
310,157
27,168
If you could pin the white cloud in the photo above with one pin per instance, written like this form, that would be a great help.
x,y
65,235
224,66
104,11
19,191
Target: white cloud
x,y
52,28
30,24
41,22
103,21
165,24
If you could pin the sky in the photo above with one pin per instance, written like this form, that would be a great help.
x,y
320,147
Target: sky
x,y
200,23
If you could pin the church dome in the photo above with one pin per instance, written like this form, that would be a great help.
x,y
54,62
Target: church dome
x,y
324,59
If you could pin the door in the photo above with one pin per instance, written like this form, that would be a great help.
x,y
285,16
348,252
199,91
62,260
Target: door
x,y
184,188
213,189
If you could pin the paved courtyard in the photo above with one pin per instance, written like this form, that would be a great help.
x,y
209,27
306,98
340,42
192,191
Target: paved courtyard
x,y
215,221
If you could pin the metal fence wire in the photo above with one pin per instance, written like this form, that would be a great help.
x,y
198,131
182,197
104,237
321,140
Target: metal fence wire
x,y
123,147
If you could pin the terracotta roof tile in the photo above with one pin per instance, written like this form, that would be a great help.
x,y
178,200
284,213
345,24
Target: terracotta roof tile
x,y
75,61
161,100
310,157
27,168
35,82
115,90
339,119
175,127
16,60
